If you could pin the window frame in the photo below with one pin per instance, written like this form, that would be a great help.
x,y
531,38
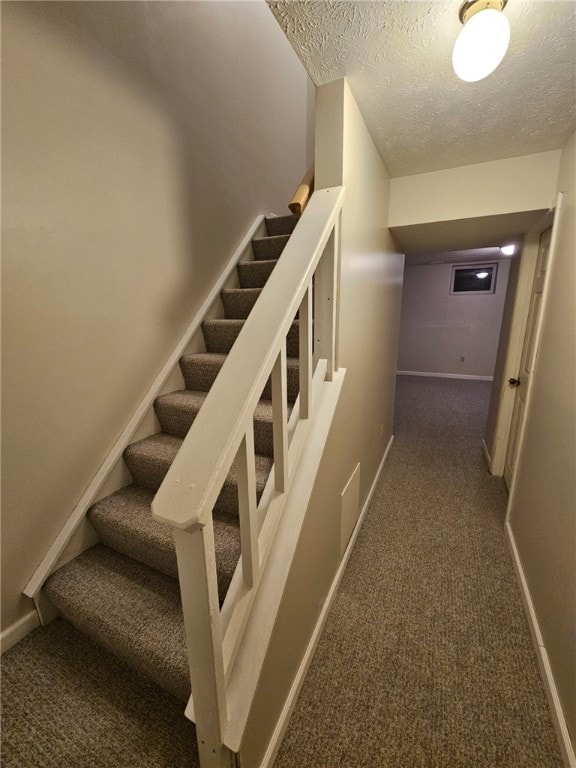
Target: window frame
x,y
471,265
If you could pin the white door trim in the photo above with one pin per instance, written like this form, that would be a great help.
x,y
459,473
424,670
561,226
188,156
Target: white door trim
x,y
538,333
515,343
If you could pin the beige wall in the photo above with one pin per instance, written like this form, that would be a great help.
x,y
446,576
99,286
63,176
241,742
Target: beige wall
x,y
542,509
438,329
370,313
486,189
120,208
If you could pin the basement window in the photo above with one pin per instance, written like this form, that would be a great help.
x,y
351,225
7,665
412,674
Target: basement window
x,y
476,278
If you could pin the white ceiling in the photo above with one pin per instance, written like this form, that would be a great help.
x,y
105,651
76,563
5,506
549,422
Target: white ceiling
x,y
396,55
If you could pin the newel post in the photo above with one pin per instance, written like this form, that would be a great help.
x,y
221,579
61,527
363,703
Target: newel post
x,y
200,606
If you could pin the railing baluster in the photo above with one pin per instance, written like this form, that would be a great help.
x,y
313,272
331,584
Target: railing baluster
x,y
246,469
337,268
325,301
280,420
305,339
200,606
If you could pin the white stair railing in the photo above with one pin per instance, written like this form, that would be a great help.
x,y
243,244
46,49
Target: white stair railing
x,y
222,435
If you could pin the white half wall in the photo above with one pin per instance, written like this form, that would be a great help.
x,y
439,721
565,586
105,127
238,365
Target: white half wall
x,y
132,165
542,505
438,330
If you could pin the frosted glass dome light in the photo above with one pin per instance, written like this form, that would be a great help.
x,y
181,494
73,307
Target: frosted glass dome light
x,y
483,41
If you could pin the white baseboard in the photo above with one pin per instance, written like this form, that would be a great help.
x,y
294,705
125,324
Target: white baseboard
x,y
284,719
18,630
543,661
446,375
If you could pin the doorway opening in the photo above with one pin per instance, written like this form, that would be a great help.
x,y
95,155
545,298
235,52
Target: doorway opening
x,y
478,335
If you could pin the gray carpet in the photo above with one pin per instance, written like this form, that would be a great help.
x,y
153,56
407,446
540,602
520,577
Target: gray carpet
x,y
426,660
67,703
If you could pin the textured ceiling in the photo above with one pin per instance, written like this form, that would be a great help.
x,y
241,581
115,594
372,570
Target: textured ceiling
x,y
396,55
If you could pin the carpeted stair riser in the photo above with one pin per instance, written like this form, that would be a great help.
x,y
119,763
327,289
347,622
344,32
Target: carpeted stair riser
x,y
177,410
265,248
200,370
149,460
280,225
254,274
238,302
124,522
220,335
130,609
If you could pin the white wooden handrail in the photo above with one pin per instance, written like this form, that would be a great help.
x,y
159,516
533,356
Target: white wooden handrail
x,y
189,491
303,193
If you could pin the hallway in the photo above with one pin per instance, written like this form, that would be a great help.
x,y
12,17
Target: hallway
x,y
426,659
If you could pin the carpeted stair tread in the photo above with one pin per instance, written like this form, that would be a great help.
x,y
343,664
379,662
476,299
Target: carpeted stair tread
x,y
200,369
254,274
281,225
238,302
220,335
124,523
130,609
270,247
177,410
149,459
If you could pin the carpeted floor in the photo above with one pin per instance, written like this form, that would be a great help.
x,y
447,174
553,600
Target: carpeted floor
x,y
67,703
425,662
426,659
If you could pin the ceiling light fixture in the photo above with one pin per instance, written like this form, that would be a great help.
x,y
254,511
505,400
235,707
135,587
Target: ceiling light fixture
x,y
483,41
482,275
508,250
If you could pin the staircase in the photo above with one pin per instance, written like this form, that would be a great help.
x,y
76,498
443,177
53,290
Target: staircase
x,y
124,592
194,556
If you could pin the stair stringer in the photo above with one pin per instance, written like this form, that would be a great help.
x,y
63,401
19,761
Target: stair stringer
x,y
77,534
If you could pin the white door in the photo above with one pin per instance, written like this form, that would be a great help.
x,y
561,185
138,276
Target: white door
x,y
528,355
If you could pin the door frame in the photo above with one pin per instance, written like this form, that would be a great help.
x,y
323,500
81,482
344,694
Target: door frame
x,y
538,333
496,456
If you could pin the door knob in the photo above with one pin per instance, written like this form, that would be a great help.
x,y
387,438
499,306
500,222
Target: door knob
x,y
514,382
